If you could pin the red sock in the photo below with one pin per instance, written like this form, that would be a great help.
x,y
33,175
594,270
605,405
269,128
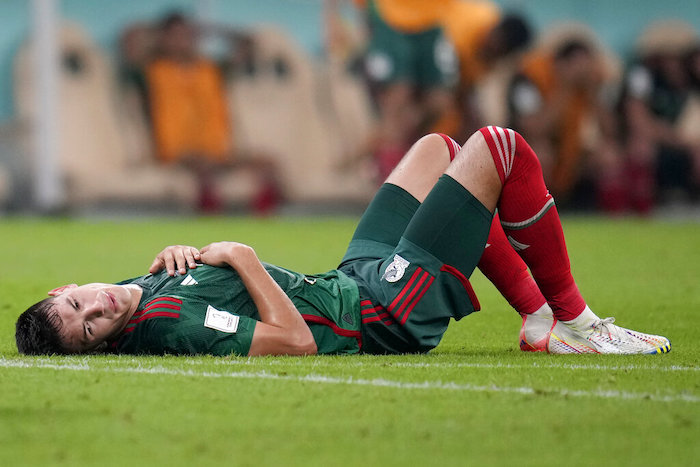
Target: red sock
x,y
530,220
507,271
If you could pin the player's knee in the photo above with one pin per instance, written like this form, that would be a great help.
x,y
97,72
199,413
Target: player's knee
x,y
475,145
433,147
508,149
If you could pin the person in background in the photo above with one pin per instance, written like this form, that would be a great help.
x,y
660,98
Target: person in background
x,y
189,118
484,38
412,70
557,101
657,109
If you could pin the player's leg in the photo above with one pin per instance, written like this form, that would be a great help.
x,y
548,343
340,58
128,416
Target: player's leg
x,y
423,282
530,219
397,200
508,272
417,173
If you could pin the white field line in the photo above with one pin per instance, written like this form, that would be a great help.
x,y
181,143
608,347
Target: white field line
x,y
376,382
321,362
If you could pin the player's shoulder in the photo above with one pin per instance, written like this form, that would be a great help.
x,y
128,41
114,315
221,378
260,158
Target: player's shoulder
x,y
162,306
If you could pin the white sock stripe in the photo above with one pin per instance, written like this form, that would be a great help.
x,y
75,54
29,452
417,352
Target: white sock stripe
x,y
455,147
498,147
511,133
530,221
506,149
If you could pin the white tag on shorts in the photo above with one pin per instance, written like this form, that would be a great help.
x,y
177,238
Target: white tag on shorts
x,y
221,320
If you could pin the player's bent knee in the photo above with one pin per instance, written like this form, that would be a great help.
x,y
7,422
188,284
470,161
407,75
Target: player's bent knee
x,y
476,144
508,149
436,149
433,145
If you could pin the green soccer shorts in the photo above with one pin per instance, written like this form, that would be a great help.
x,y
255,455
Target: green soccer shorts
x,y
425,59
412,262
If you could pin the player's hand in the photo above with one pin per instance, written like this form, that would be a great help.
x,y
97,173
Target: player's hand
x,y
226,254
176,257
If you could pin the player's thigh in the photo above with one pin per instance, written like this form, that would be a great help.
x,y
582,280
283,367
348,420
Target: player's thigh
x,y
474,168
422,165
393,207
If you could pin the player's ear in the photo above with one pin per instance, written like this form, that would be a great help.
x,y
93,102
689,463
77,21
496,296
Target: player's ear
x,y
59,290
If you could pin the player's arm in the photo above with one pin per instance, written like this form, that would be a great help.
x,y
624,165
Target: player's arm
x,y
282,330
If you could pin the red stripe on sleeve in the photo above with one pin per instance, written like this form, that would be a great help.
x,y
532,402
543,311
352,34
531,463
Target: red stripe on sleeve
x,y
155,314
160,305
167,299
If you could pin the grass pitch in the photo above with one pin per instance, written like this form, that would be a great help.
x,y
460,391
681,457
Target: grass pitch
x,y
475,400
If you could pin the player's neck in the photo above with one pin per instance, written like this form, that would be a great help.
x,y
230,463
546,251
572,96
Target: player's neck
x,y
135,292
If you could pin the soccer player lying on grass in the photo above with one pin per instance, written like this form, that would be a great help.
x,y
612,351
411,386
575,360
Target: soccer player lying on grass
x,y
403,276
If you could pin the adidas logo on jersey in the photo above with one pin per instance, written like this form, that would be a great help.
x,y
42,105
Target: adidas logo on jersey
x,y
189,280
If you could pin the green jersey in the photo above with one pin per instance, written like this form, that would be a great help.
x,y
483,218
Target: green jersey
x,y
209,311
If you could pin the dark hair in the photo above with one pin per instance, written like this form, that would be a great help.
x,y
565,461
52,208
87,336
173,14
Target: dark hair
x,y
515,31
174,18
38,330
570,48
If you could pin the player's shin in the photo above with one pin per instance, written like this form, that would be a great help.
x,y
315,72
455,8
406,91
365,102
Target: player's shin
x,y
531,222
508,272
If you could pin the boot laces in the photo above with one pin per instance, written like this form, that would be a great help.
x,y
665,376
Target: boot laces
x,y
606,326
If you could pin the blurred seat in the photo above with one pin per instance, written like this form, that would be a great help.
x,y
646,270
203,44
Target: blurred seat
x,y
348,111
276,111
93,156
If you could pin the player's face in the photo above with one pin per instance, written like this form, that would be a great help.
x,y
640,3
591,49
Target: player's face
x,y
93,313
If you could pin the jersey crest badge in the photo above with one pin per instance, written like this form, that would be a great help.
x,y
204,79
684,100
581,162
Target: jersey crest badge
x,y
395,271
221,320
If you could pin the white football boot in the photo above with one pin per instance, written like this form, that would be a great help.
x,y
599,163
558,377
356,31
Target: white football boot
x,y
541,332
536,329
602,336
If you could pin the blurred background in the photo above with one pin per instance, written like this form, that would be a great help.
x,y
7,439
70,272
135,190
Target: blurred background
x,y
233,106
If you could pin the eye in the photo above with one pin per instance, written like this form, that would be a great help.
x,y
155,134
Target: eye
x,y
75,304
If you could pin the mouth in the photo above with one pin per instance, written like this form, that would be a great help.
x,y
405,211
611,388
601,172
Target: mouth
x,y
113,301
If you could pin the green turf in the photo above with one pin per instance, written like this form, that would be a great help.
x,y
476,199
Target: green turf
x,y
475,400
